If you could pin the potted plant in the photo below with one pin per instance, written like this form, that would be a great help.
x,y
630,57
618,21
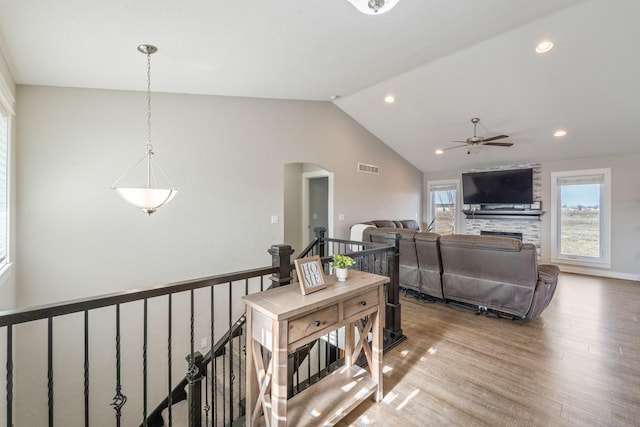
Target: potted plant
x,y
341,264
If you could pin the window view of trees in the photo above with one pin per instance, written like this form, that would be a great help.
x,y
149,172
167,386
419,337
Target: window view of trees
x,y
444,210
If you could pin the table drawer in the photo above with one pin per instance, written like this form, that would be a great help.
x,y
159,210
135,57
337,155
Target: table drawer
x,y
307,325
360,303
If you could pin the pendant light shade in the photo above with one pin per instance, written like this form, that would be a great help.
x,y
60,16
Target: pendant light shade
x,y
147,199
373,7
152,194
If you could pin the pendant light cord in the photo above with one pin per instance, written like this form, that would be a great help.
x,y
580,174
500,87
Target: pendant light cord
x,y
149,146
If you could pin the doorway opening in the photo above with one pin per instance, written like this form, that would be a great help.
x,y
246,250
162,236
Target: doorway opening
x,y
317,203
308,203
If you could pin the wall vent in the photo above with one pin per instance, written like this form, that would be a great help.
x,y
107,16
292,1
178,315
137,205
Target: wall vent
x,y
362,167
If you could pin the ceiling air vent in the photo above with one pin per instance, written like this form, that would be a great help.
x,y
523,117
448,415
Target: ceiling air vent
x,y
362,167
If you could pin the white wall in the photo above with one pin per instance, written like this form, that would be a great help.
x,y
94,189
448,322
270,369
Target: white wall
x,y
625,199
231,160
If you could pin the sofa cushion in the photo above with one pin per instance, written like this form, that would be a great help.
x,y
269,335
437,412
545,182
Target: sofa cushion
x,y
380,234
410,224
385,223
482,242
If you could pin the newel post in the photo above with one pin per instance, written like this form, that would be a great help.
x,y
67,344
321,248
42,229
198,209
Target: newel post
x,y
281,259
393,319
321,234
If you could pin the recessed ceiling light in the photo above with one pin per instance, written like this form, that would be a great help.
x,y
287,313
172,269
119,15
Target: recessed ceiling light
x,y
334,97
560,132
389,99
544,46
439,151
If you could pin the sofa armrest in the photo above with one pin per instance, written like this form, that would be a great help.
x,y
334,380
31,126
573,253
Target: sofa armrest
x,y
545,288
548,273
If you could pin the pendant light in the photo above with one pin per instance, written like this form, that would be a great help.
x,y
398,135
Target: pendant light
x,y
150,196
373,7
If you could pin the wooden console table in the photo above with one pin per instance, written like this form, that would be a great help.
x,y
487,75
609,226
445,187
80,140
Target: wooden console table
x,y
282,319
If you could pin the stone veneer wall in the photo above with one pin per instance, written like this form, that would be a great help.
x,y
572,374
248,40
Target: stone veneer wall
x,y
530,228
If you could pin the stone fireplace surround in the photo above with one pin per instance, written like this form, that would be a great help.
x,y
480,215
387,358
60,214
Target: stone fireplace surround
x,y
529,226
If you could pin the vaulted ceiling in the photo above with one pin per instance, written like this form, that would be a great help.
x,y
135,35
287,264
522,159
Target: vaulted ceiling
x,y
444,62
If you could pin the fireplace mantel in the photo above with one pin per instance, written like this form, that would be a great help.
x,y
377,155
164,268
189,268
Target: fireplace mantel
x,y
503,213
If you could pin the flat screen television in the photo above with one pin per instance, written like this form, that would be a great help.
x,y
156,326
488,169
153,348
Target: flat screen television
x,y
513,186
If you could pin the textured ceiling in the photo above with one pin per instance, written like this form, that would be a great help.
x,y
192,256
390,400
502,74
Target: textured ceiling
x,y
446,61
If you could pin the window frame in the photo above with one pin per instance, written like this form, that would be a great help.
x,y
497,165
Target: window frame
x,y
430,206
5,116
604,261
7,101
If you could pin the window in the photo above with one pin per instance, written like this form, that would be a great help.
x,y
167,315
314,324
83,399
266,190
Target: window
x,y
443,206
4,181
581,217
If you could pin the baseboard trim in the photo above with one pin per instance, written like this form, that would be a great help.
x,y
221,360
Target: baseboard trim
x,y
594,272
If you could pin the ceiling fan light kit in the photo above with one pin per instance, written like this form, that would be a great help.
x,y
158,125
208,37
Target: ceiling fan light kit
x,y
373,7
475,143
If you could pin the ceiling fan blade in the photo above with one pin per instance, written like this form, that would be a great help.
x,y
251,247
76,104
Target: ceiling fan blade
x,y
498,144
451,148
493,138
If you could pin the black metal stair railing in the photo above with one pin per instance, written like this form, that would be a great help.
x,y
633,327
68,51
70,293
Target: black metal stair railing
x,y
12,320
213,384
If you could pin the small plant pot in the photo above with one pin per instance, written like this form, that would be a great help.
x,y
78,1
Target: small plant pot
x,y
342,273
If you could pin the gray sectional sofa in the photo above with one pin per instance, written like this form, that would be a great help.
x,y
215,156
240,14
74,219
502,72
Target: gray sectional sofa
x,y
491,273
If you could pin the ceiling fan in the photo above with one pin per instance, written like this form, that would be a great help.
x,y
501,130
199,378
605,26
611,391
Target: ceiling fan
x,y
475,143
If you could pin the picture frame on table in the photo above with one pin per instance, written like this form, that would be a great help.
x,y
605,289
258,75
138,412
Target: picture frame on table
x,y
310,274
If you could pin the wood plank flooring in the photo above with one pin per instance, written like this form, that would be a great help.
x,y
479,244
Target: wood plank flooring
x,y
578,364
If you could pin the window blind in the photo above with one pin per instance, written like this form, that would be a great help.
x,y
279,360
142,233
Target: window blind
x,y
578,180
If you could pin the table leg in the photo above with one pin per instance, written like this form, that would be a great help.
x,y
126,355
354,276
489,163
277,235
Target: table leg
x,y
378,344
279,381
251,374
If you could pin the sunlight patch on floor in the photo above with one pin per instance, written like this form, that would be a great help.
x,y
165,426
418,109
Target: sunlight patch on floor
x,y
389,398
362,420
407,399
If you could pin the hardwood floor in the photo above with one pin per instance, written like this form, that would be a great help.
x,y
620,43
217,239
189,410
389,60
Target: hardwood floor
x,y
577,364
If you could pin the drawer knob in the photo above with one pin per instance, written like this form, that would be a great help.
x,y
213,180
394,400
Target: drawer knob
x,y
363,303
316,323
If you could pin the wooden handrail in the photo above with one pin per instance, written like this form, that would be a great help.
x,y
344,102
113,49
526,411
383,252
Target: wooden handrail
x,y
16,316
280,273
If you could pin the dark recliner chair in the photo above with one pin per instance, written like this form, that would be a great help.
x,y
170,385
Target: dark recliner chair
x,y
429,263
409,271
496,273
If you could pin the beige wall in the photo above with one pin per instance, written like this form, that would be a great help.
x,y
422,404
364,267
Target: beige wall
x,y
625,205
226,155
233,160
625,199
